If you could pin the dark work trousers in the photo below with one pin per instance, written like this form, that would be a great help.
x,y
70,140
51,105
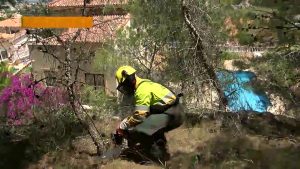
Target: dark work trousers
x,y
169,120
176,117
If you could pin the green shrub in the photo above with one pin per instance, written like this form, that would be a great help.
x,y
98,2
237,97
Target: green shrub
x,y
101,103
241,64
229,56
4,80
279,69
245,38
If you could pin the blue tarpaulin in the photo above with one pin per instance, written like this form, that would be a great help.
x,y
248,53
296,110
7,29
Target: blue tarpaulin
x,y
241,95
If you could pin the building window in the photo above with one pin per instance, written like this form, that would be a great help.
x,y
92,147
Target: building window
x,y
96,80
4,55
50,76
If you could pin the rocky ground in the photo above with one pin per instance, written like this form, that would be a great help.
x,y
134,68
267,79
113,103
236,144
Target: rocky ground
x,y
207,141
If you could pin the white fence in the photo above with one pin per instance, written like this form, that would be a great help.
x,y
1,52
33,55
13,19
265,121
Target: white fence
x,y
242,49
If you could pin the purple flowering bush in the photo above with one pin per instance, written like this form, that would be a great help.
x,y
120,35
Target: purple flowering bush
x,y
53,99
23,96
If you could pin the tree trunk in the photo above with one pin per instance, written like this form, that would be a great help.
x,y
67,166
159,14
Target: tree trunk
x,y
200,54
83,118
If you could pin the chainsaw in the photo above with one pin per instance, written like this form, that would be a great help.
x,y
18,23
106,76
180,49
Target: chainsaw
x,y
138,147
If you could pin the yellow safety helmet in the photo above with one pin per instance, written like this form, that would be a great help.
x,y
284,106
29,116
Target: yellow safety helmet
x,y
123,71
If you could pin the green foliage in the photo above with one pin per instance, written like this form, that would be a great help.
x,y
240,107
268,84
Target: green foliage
x,y
109,9
266,21
269,18
229,56
241,64
107,59
51,132
37,9
158,29
4,80
102,104
230,152
12,2
112,9
245,38
280,68
53,129
157,22
160,19
230,2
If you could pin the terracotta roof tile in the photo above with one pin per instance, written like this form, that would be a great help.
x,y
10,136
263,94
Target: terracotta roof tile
x,y
5,36
77,3
11,22
105,28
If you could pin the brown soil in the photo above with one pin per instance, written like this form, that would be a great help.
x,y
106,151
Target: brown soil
x,y
252,142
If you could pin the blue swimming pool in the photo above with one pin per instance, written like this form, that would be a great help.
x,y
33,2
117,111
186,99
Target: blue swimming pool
x,y
241,95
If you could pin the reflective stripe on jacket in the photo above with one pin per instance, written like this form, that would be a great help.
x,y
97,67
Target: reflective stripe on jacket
x,y
150,97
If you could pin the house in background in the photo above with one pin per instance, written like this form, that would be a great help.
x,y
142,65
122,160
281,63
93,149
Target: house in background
x,y
19,50
14,39
8,29
88,41
4,41
11,25
93,7
14,43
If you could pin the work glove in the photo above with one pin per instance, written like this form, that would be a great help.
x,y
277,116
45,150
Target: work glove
x,y
122,128
123,125
120,133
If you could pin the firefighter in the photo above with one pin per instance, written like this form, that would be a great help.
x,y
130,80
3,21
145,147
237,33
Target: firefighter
x,y
157,109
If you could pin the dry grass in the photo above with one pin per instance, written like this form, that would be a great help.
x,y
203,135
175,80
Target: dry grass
x,y
186,140
204,145
120,164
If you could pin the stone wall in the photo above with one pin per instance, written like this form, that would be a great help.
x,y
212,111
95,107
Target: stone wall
x,y
43,62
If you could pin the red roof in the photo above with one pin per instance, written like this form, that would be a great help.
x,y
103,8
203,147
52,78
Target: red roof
x,y
6,36
79,3
105,28
11,22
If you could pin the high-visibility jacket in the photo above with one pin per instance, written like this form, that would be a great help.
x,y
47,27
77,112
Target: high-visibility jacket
x,y
150,97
